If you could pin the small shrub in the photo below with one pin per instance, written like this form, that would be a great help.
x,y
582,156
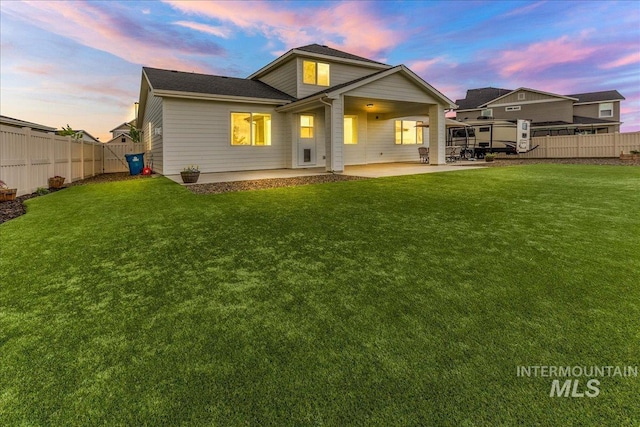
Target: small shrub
x,y
41,191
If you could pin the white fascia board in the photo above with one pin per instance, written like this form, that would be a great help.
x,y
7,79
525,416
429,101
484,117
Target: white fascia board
x,y
215,97
596,102
296,105
528,90
537,101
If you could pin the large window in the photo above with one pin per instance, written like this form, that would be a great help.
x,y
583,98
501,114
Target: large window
x,y
408,133
250,129
487,112
350,129
306,126
606,109
315,73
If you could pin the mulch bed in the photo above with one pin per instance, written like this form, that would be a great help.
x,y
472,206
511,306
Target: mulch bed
x,y
261,184
15,208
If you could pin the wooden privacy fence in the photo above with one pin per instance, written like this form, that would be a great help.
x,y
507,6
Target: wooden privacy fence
x,y
571,146
29,158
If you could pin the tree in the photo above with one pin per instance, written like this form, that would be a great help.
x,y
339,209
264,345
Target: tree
x,y
70,132
134,133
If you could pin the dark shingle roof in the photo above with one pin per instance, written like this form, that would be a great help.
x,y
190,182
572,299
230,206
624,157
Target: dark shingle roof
x,y
325,50
477,97
607,95
214,85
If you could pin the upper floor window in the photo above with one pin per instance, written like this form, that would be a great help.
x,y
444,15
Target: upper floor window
x,y
250,129
408,133
521,96
514,108
487,112
315,73
606,109
123,139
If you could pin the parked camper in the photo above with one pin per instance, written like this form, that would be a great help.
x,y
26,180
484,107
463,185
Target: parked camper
x,y
488,135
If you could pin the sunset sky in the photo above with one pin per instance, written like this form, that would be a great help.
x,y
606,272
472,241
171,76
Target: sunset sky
x,y
79,62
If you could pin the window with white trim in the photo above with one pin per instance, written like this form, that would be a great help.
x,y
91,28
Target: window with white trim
x,y
351,130
488,112
513,108
315,73
606,109
250,129
306,127
521,96
407,133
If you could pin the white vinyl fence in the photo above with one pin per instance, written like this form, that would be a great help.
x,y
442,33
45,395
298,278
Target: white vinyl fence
x,y
28,158
572,146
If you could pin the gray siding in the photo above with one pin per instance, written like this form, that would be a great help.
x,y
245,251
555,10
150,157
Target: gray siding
x,y
381,147
393,87
198,132
593,110
153,119
528,97
283,78
339,74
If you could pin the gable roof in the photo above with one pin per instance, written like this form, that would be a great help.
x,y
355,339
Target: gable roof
x,y
337,90
22,123
319,52
477,97
124,125
607,95
554,95
175,82
328,51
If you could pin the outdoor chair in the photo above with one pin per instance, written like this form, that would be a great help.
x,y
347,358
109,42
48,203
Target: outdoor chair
x,y
424,154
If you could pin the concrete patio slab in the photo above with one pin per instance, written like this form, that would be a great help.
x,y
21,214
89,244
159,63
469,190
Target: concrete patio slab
x,y
376,170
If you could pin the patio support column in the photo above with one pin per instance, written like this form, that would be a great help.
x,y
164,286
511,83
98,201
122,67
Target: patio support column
x,y
334,135
437,135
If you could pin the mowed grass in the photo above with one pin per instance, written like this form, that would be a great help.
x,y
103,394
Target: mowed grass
x,y
388,302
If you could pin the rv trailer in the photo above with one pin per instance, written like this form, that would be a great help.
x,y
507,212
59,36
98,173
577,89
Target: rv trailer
x,y
478,137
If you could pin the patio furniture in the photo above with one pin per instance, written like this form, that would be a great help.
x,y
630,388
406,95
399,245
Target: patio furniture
x,y
424,154
452,153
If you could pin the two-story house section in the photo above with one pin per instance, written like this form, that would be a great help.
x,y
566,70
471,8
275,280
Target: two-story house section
x,y
314,106
550,114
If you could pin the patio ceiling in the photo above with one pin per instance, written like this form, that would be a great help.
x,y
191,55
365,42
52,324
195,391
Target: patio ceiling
x,y
384,108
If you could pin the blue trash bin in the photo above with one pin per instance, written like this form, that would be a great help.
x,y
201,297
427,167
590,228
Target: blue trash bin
x,y
136,163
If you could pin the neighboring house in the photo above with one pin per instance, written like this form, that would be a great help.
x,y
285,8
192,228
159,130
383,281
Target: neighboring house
x,y
86,136
124,128
314,106
9,121
120,134
550,114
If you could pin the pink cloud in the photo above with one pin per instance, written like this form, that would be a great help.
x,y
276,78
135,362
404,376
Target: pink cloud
x,y
340,24
422,66
540,56
633,58
91,26
203,28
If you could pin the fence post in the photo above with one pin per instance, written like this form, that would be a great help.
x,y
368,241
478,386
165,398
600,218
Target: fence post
x,y
616,144
28,178
52,154
81,159
578,140
70,160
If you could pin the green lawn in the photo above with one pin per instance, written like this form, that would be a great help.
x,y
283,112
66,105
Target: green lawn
x,y
394,301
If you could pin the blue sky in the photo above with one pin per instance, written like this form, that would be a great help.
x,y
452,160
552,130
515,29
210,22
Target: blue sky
x,y
79,62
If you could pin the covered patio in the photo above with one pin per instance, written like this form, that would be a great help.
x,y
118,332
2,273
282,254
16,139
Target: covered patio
x,y
376,170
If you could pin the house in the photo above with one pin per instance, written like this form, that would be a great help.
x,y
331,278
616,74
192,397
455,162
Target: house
x,y
86,136
120,134
9,121
549,113
314,106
